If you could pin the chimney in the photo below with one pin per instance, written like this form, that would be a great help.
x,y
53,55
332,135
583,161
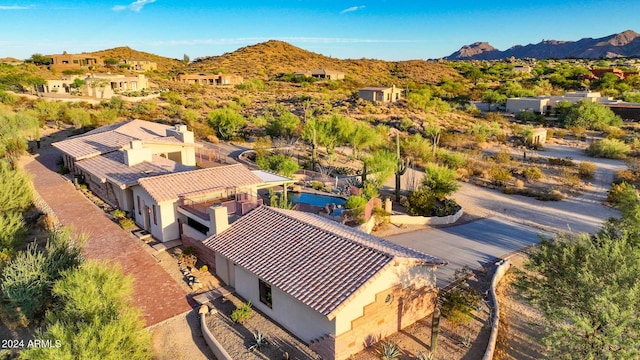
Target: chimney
x,y
181,133
136,154
219,219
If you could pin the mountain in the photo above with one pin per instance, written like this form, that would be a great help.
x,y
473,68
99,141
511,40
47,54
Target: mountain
x,y
624,44
125,52
269,59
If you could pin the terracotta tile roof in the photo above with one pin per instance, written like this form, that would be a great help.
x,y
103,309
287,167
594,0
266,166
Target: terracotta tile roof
x,y
169,187
110,138
111,167
315,260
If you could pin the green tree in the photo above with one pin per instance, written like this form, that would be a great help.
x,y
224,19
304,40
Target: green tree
x,y
95,319
381,165
278,163
590,115
493,97
40,59
440,180
284,125
588,291
363,137
78,117
226,122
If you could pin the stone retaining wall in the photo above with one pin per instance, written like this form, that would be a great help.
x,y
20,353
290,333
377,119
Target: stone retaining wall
x,y
214,345
503,267
423,220
44,208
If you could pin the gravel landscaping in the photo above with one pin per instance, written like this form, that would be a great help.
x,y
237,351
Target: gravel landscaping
x,y
237,338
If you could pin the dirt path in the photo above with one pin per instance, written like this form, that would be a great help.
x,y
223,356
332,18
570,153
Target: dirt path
x,y
519,332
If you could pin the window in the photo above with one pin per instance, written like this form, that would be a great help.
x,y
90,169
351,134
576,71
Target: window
x,y
139,207
155,218
265,293
197,226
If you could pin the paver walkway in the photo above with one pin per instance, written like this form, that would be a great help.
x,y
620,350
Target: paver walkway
x,y
156,294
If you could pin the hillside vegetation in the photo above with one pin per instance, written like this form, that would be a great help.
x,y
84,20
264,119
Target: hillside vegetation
x,y
267,60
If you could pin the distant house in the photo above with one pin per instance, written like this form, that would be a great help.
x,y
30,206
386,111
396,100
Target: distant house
x,y
140,65
598,73
334,287
381,94
544,104
522,69
69,61
210,80
322,74
99,86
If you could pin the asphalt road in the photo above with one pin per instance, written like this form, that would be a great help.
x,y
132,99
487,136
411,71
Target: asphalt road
x,y
473,244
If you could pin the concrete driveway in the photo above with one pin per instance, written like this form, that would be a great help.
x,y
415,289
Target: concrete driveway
x,y
473,244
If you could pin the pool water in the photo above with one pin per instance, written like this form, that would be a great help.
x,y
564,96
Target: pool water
x,y
316,199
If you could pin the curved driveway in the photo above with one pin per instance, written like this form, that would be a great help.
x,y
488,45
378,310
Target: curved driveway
x,y
511,222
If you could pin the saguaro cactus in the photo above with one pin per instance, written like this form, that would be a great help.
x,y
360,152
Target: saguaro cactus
x,y
401,168
435,330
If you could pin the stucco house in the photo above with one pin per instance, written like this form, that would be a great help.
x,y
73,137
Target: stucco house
x,y
140,65
322,74
544,104
209,80
334,287
70,61
380,94
99,86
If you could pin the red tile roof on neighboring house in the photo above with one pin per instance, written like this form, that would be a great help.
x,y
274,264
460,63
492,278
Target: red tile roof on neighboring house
x,y
315,260
111,137
112,167
169,187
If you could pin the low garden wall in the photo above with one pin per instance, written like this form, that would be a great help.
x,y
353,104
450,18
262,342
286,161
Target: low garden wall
x,y
503,267
214,345
424,220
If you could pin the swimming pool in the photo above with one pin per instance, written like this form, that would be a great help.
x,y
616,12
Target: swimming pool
x,y
316,199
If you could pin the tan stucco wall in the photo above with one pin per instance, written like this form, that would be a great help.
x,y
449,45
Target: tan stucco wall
x,y
289,312
515,105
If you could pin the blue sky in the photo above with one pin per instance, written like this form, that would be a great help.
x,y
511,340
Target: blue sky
x,y
388,30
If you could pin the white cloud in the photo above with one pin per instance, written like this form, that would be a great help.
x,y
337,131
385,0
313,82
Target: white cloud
x,y
352,9
14,7
134,6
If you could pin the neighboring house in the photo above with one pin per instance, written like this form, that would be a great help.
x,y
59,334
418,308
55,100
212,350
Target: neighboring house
x,y
544,104
99,86
522,69
322,74
69,61
598,73
380,94
334,287
209,80
140,65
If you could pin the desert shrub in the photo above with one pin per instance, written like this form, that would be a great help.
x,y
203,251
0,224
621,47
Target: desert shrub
x,y
587,170
503,157
553,195
127,224
446,207
532,174
614,132
355,204
389,350
94,318
420,202
569,178
561,162
459,303
608,148
28,277
558,133
622,194
278,163
440,180
241,313
454,160
317,185
499,175
119,214
627,175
